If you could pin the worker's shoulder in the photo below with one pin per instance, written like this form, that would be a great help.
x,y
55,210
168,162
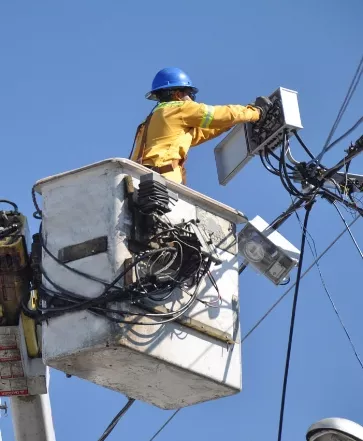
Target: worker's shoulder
x,y
178,105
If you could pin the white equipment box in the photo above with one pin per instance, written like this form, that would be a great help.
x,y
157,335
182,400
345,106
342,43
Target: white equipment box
x,y
247,140
173,365
267,250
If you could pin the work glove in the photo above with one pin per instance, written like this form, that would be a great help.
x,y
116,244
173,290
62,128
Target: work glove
x,y
263,104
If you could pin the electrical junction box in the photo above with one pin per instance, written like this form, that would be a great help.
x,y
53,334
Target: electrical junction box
x,y
267,250
19,374
245,141
193,359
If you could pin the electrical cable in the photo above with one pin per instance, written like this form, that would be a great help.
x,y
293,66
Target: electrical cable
x,y
353,151
191,268
164,425
103,296
303,145
351,90
117,418
292,323
348,132
268,312
5,201
315,254
38,212
348,229
268,167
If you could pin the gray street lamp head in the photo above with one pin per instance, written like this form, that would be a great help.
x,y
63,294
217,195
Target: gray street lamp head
x,y
335,429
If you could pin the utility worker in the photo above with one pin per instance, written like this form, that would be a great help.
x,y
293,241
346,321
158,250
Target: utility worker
x,y
177,122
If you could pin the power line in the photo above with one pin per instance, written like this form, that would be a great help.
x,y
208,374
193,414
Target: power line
x,y
351,90
314,253
348,229
330,146
117,418
268,312
292,323
164,425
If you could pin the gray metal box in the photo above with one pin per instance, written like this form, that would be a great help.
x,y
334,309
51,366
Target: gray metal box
x,y
247,140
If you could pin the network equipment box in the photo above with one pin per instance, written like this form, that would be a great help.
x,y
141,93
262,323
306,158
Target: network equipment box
x,y
247,140
173,365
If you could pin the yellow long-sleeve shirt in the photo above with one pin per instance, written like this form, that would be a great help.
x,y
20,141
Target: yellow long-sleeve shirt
x,y
177,126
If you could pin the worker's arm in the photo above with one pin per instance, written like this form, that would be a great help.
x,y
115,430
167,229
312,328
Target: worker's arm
x,y
203,135
216,117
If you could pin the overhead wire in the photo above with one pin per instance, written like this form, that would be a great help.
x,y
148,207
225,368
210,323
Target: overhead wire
x,y
345,134
165,424
349,230
316,188
116,419
351,90
292,322
314,252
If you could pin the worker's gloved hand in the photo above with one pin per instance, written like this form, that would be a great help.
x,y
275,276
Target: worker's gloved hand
x,y
264,104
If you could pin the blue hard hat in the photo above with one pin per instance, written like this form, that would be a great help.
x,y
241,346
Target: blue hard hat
x,y
170,78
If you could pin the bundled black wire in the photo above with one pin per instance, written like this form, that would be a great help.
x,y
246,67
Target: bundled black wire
x,y
312,177
173,262
10,223
292,322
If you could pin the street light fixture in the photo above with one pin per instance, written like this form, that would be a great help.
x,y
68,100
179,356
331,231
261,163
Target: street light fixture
x,y
335,429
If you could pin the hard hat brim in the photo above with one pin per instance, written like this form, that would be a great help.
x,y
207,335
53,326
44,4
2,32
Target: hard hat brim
x,y
151,95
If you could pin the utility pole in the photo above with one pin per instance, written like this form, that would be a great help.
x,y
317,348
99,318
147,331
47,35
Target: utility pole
x,y
2,407
32,418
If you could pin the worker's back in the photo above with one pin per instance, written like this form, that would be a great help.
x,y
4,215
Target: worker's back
x,y
168,137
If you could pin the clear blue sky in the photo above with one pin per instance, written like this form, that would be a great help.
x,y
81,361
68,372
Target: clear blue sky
x,y
72,82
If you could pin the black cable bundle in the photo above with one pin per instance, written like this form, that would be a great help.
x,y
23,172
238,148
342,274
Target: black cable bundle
x,y
170,259
152,195
10,223
174,261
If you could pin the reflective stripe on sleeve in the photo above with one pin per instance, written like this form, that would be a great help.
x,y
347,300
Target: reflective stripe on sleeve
x,y
169,104
207,117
